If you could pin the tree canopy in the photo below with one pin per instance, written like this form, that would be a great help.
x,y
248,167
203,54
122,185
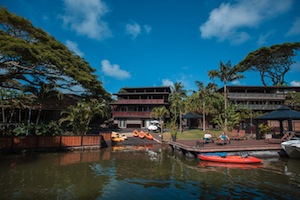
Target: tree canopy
x,y
271,62
29,56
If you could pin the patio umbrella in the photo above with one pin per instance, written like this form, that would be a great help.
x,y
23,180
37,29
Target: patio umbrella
x,y
281,114
190,116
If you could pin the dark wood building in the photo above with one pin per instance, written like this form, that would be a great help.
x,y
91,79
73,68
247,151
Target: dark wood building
x,y
134,105
259,98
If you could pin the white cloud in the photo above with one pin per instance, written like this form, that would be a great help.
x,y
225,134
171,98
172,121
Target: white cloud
x,y
147,28
236,82
263,37
295,29
167,82
85,17
225,22
114,70
133,29
295,83
73,46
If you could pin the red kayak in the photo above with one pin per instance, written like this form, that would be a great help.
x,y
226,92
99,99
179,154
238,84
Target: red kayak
x,y
230,159
230,165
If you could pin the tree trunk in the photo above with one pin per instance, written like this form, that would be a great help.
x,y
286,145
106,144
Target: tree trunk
x,y
225,103
38,116
180,123
203,117
3,119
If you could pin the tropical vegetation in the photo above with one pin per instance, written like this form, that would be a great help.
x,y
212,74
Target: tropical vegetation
x,y
35,67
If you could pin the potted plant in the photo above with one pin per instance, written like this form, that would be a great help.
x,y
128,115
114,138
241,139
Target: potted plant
x,y
264,130
174,132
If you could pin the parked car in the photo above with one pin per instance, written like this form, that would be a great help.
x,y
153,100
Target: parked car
x,y
154,126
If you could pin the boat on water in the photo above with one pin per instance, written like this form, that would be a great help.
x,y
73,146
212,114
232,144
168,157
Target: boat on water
x,y
230,159
292,148
229,165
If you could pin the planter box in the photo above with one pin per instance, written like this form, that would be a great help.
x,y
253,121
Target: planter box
x,y
70,141
31,142
91,140
28,142
5,143
49,141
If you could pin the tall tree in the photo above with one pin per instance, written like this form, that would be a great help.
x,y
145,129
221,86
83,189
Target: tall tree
x,y
293,100
29,55
226,74
160,113
271,62
176,97
206,95
42,93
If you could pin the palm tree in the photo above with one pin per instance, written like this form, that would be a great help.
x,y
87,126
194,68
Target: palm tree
x,y
80,116
226,74
42,92
160,113
206,95
176,98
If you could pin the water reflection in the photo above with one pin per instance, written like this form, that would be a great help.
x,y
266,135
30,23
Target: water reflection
x,y
142,172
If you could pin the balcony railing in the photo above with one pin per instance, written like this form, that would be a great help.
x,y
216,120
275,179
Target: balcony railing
x,y
254,96
131,114
138,114
258,107
141,101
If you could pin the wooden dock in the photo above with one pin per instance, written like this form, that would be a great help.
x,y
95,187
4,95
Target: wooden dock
x,y
189,148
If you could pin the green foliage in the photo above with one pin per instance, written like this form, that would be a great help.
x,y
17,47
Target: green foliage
x,y
159,113
293,100
272,62
174,129
29,56
23,130
226,73
264,129
233,117
80,116
41,129
176,99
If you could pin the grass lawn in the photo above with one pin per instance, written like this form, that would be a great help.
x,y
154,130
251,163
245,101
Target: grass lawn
x,y
191,134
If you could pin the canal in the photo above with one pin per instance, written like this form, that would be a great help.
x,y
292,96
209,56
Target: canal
x,y
142,172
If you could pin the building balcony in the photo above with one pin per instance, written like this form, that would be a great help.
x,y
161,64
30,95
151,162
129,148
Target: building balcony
x,y
255,96
141,101
133,114
258,107
126,114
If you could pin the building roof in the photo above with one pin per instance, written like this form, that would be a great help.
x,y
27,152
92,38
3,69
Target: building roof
x,y
297,88
141,90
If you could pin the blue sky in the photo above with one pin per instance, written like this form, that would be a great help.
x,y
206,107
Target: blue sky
x,y
137,43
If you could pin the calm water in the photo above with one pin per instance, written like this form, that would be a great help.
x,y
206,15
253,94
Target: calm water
x,y
144,173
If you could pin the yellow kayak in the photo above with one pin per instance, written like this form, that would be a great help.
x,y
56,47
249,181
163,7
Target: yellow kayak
x,y
117,137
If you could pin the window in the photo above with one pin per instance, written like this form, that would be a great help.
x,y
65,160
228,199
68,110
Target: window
x,y
122,123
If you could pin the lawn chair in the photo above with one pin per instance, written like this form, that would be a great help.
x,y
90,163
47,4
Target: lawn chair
x,y
240,136
221,141
234,133
287,136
